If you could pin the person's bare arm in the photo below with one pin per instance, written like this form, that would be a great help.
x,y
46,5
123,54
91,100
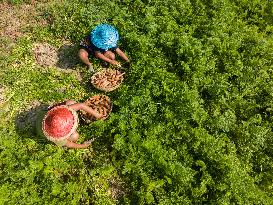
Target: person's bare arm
x,y
71,144
122,54
70,102
91,111
84,107
108,60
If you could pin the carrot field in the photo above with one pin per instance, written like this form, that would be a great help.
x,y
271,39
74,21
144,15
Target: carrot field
x,y
191,122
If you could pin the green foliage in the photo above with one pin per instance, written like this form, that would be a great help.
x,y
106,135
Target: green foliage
x,y
192,123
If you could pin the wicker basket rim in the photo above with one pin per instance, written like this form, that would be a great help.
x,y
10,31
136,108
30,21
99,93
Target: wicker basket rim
x,y
73,129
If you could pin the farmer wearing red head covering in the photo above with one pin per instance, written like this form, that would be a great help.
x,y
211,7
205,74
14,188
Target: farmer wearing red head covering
x,y
61,121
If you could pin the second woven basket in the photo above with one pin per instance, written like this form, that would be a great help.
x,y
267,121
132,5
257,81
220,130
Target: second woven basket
x,y
107,79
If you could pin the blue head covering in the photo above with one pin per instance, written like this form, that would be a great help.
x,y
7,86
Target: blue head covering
x,y
104,36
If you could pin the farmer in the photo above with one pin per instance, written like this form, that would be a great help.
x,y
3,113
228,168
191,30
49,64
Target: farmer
x,y
60,122
101,43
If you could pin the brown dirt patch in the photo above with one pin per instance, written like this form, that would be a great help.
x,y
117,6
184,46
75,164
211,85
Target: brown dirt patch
x,y
65,58
45,54
14,18
16,21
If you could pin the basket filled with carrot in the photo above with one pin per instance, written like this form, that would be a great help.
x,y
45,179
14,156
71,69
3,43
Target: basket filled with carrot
x,y
107,79
101,103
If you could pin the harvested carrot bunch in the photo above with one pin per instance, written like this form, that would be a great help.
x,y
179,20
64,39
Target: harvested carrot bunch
x,y
107,79
101,103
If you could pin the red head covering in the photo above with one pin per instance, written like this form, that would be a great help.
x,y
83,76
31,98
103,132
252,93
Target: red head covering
x,y
59,123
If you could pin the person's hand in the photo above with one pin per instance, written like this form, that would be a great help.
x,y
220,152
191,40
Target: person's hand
x,y
89,142
115,63
99,115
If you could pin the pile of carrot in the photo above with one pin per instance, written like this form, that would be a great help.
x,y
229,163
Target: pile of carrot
x,y
101,104
107,79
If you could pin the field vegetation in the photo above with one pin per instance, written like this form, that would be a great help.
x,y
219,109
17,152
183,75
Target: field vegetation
x,y
191,123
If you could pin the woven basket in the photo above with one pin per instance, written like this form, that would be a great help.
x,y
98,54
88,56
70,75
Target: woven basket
x,y
97,102
105,89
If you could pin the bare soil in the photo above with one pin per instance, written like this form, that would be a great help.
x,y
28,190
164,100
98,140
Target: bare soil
x,y
15,22
15,18
45,54
65,59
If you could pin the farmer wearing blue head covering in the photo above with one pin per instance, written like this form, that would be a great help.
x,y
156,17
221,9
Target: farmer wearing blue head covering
x,y
102,44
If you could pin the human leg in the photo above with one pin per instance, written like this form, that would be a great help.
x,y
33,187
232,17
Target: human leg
x,y
83,55
110,54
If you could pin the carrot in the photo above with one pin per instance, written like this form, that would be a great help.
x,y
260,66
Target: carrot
x,y
121,74
100,110
107,107
105,83
116,78
96,97
96,103
104,112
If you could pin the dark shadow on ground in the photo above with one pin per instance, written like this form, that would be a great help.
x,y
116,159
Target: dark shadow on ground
x,y
27,121
68,56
